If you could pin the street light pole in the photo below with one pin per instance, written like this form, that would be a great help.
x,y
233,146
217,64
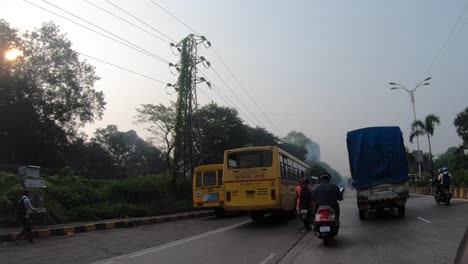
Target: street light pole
x,y
411,94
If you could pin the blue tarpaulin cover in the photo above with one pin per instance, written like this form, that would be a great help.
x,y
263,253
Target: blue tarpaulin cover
x,y
376,155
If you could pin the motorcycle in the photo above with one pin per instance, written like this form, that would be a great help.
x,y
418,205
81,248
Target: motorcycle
x,y
326,224
443,196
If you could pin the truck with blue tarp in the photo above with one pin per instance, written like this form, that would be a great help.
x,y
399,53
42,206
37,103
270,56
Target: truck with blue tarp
x,y
379,168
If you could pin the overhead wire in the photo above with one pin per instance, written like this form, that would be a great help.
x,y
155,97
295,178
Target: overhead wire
x,y
90,23
176,18
141,21
122,68
455,26
126,21
226,66
246,92
226,99
86,27
235,95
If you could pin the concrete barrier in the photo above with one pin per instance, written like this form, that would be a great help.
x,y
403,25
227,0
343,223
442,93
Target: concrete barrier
x,y
107,224
461,193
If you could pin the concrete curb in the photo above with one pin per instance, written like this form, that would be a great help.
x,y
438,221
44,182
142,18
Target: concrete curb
x,y
110,224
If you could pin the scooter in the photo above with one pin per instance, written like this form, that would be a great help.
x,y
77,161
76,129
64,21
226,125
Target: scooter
x,y
326,224
443,196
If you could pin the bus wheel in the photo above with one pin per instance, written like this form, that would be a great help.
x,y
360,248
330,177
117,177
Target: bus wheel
x,y
219,212
257,216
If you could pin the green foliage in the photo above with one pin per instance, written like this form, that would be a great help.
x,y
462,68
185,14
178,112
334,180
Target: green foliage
x,y
460,179
50,88
461,123
73,198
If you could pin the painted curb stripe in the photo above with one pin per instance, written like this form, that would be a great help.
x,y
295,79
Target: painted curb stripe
x,y
43,233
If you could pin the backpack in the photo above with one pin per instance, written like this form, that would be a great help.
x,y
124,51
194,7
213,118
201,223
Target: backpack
x,y
446,180
305,197
20,209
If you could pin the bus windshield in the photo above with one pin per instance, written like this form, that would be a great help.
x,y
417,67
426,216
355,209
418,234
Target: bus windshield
x,y
250,159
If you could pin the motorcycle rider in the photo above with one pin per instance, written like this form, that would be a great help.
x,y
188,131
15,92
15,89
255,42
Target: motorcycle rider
x,y
437,182
445,178
327,193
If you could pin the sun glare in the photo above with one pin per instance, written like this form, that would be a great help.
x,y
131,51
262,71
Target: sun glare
x,y
13,54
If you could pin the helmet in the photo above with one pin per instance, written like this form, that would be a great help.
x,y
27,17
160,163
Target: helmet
x,y
301,181
444,169
325,177
440,170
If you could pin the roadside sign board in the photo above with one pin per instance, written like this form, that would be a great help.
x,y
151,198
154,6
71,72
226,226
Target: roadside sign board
x,y
33,183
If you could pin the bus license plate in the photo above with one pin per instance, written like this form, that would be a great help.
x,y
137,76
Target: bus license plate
x,y
303,211
324,229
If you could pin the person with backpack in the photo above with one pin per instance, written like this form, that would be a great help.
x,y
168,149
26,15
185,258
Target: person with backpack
x,y
445,178
24,207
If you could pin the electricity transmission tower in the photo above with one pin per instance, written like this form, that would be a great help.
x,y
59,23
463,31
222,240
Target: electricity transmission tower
x,y
187,150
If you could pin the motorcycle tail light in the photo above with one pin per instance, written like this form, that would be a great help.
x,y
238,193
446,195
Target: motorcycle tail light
x,y
324,215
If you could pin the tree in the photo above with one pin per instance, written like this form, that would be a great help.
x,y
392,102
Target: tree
x,y
420,128
461,123
130,152
50,88
300,139
161,121
220,128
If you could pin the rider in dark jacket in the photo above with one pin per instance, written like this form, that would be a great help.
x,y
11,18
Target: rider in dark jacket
x,y
327,193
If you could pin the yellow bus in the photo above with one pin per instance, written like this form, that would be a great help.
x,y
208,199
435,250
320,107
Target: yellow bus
x,y
261,180
208,188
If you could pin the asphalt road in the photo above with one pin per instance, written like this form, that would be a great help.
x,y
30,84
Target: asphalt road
x,y
428,234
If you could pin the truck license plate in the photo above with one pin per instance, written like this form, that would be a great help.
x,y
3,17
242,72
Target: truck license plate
x,y
324,229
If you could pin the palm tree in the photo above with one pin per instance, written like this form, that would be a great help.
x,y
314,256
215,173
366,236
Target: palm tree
x,y
427,128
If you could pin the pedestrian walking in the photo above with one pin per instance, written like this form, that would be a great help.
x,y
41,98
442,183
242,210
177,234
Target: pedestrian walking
x,y
23,212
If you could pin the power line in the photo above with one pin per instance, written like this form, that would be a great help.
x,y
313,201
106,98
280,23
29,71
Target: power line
x,y
246,92
126,21
90,23
86,27
122,68
225,65
148,25
439,53
227,100
165,10
235,95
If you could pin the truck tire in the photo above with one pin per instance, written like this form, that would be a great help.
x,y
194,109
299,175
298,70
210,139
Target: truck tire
x,y
401,210
362,214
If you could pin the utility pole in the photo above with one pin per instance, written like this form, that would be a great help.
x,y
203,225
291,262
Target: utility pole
x,y
187,145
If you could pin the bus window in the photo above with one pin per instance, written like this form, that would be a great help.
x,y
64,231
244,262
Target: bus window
x,y
198,180
250,159
209,178
220,177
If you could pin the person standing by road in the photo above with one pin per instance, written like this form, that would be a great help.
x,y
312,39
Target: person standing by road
x,y
24,209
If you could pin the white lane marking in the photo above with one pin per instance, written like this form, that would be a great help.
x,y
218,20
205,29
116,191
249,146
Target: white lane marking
x,y
108,262
185,240
265,261
424,220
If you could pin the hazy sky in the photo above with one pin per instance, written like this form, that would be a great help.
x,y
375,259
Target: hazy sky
x,y
320,67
